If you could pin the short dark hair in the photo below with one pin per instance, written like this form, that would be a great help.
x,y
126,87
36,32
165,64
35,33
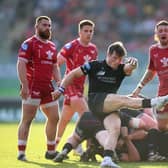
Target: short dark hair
x,y
85,23
118,47
38,19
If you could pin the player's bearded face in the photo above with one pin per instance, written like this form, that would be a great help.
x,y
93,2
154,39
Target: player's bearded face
x,y
45,34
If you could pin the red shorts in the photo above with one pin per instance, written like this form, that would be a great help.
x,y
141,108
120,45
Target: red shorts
x,y
71,91
42,92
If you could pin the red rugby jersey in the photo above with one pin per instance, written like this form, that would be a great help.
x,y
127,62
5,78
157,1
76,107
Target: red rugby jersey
x,y
76,55
40,57
159,63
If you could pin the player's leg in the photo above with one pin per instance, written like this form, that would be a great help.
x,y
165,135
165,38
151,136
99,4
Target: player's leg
x,y
162,118
72,142
112,124
65,117
149,121
80,106
114,102
51,112
29,108
163,122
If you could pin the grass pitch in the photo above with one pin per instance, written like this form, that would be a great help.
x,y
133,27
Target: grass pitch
x,y
36,148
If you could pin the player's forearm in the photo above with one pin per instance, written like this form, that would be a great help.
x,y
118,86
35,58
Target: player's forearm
x,y
148,76
133,154
137,135
60,60
21,72
69,78
57,74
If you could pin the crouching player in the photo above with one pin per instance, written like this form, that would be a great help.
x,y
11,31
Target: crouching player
x,y
87,127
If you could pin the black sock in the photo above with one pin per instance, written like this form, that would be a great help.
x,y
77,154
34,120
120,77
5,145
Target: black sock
x,y
68,147
108,153
146,103
153,138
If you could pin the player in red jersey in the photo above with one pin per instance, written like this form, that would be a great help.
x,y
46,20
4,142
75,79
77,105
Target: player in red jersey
x,y
158,64
36,67
74,54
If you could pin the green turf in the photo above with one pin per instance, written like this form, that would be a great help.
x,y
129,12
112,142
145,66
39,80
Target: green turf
x,y
9,88
36,149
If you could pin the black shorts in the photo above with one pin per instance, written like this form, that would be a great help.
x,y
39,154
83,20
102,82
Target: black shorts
x,y
125,118
131,112
88,126
96,103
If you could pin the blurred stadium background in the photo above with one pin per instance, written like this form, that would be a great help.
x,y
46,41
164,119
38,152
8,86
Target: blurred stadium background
x,y
130,21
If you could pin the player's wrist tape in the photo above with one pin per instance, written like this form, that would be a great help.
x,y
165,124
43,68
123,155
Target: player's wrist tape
x,y
141,85
61,89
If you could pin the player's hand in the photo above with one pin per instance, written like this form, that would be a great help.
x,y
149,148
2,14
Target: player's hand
x,y
136,92
132,61
24,92
56,94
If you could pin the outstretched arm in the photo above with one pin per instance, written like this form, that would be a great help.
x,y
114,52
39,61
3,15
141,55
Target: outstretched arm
x,y
68,79
148,76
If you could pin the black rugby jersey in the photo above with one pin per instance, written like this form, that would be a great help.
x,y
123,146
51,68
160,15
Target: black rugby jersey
x,y
103,78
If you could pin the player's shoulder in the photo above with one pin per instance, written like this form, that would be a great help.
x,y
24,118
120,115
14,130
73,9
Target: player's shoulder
x,y
51,43
154,46
30,40
27,43
97,62
92,45
70,44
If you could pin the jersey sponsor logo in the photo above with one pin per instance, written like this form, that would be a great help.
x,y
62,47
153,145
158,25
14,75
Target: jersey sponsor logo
x,y
164,61
101,73
24,46
49,54
68,46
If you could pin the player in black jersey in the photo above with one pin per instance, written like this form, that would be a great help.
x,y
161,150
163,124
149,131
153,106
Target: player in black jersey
x,y
88,127
105,78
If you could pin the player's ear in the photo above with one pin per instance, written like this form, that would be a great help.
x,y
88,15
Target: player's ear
x,y
35,26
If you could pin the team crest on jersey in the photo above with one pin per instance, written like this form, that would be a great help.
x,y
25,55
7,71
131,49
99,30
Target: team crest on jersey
x,y
49,54
164,61
87,58
68,46
24,46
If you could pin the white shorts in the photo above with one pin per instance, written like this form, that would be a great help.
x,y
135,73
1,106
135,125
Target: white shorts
x,y
36,102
